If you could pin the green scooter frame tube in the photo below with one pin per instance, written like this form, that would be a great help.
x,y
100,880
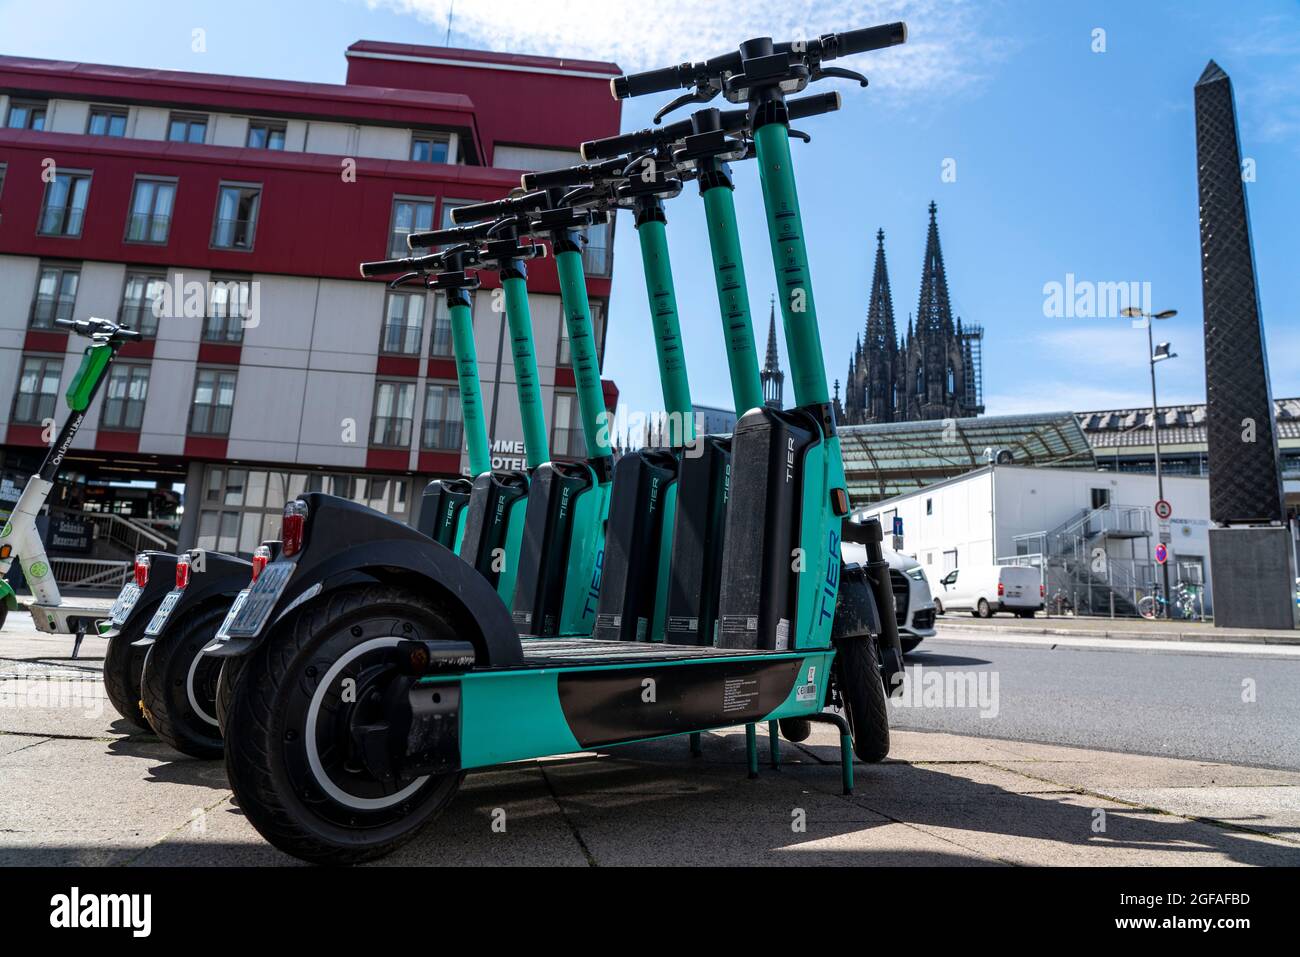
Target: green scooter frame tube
x,y
667,326
790,256
536,446
582,352
733,297
471,395
819,528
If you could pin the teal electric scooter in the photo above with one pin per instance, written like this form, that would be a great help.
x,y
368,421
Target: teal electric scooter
x,y
341,750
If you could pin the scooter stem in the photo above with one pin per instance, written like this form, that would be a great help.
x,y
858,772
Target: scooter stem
x,y
650,222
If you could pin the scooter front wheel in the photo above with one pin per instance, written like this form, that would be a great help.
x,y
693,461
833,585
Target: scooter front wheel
x,y
861,689
293,754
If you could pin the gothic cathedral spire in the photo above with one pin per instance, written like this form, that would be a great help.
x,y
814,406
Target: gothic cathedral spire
x,y
772,377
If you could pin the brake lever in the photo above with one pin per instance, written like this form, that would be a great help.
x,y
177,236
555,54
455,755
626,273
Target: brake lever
x,y
403,279
800,135
822,72
701,94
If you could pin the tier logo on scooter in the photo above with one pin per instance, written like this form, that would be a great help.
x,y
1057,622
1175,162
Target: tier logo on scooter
x,y
37,570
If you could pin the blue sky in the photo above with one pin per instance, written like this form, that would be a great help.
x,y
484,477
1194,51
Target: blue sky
x,y
1068,161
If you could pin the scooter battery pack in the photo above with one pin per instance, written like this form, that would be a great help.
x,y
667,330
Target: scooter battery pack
x,y
544,555
633,540
440,508
488,521
756,603
703,486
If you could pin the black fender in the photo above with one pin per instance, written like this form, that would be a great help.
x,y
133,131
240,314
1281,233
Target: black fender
x,y
346,543
215,578
162,578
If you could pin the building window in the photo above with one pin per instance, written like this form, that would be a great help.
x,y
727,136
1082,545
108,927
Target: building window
x,y
187,128
447,206
265,135
236,220
403,324
229,304
151,211
56,295
65,204
440,340
139,296
929,506
128,386
430,147
596,253
409,216
214,400
950,561
394,413
38,390
567,439
443,426
106,121
564,355
26,115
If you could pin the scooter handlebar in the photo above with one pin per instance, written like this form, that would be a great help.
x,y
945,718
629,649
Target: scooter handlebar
x,y
730,121
446,237
94,326
826,47
389,267
571,175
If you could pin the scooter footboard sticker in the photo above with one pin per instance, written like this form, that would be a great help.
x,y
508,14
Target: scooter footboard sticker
x,y
644,701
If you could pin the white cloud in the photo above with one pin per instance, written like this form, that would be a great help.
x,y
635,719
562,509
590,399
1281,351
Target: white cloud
x,y
945,52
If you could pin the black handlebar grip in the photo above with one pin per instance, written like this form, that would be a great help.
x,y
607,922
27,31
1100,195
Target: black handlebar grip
x,y
131,334
651,81
479,212
813,105
869,38
386,267
612,146
570,176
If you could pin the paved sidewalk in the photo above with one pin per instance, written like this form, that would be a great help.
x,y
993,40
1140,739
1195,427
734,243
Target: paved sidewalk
x,y
1161,630
79,786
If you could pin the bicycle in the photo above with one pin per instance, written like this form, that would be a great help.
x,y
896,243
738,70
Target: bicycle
x,y
1184,604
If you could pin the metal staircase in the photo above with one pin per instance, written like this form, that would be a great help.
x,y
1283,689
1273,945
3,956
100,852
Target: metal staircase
x,y
1082,559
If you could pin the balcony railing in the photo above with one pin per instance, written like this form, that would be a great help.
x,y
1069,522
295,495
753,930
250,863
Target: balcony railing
x,y
60,221
147,228
48,308
234,233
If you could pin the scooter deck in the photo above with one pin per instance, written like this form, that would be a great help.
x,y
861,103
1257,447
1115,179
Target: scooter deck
x,y
577,652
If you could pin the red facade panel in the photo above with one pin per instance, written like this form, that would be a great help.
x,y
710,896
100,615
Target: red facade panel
x,y
117,441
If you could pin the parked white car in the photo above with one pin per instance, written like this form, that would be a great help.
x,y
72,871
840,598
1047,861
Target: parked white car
x,y
985,590
913,606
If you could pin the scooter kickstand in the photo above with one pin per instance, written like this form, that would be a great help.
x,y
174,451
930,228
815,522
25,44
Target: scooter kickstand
x,y
751,749
774,744
76,642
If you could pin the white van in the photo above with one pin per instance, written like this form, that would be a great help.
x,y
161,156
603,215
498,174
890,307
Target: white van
x,y
984,590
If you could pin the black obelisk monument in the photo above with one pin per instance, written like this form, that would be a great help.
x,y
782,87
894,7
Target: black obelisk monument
x,y
1251,553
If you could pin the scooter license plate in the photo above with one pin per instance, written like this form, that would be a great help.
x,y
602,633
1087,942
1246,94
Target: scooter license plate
x,y
126,600
224,631
159,619
257,607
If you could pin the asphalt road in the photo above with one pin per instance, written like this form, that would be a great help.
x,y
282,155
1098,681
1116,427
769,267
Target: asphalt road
x,y
1160,700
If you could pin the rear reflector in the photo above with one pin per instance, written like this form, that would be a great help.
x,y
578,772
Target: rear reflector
x,y
261,557
293,528
182,571
141,570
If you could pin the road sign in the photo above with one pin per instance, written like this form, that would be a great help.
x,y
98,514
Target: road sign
x,y
898,525
1162,553
897,544
1164,510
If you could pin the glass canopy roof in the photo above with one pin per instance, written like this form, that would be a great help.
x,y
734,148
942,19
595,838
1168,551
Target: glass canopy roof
x,y
885,460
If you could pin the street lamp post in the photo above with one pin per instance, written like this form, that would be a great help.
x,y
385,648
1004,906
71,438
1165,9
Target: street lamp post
x,y
1156,354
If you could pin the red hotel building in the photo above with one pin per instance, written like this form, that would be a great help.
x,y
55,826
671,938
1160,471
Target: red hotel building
x,y
118,183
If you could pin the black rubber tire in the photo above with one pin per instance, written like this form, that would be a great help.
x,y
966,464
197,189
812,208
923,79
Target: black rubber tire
x,y
165,686
123,666
938,608
795,730
266,760
231,668
983,610
4,613
908,644
861,689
